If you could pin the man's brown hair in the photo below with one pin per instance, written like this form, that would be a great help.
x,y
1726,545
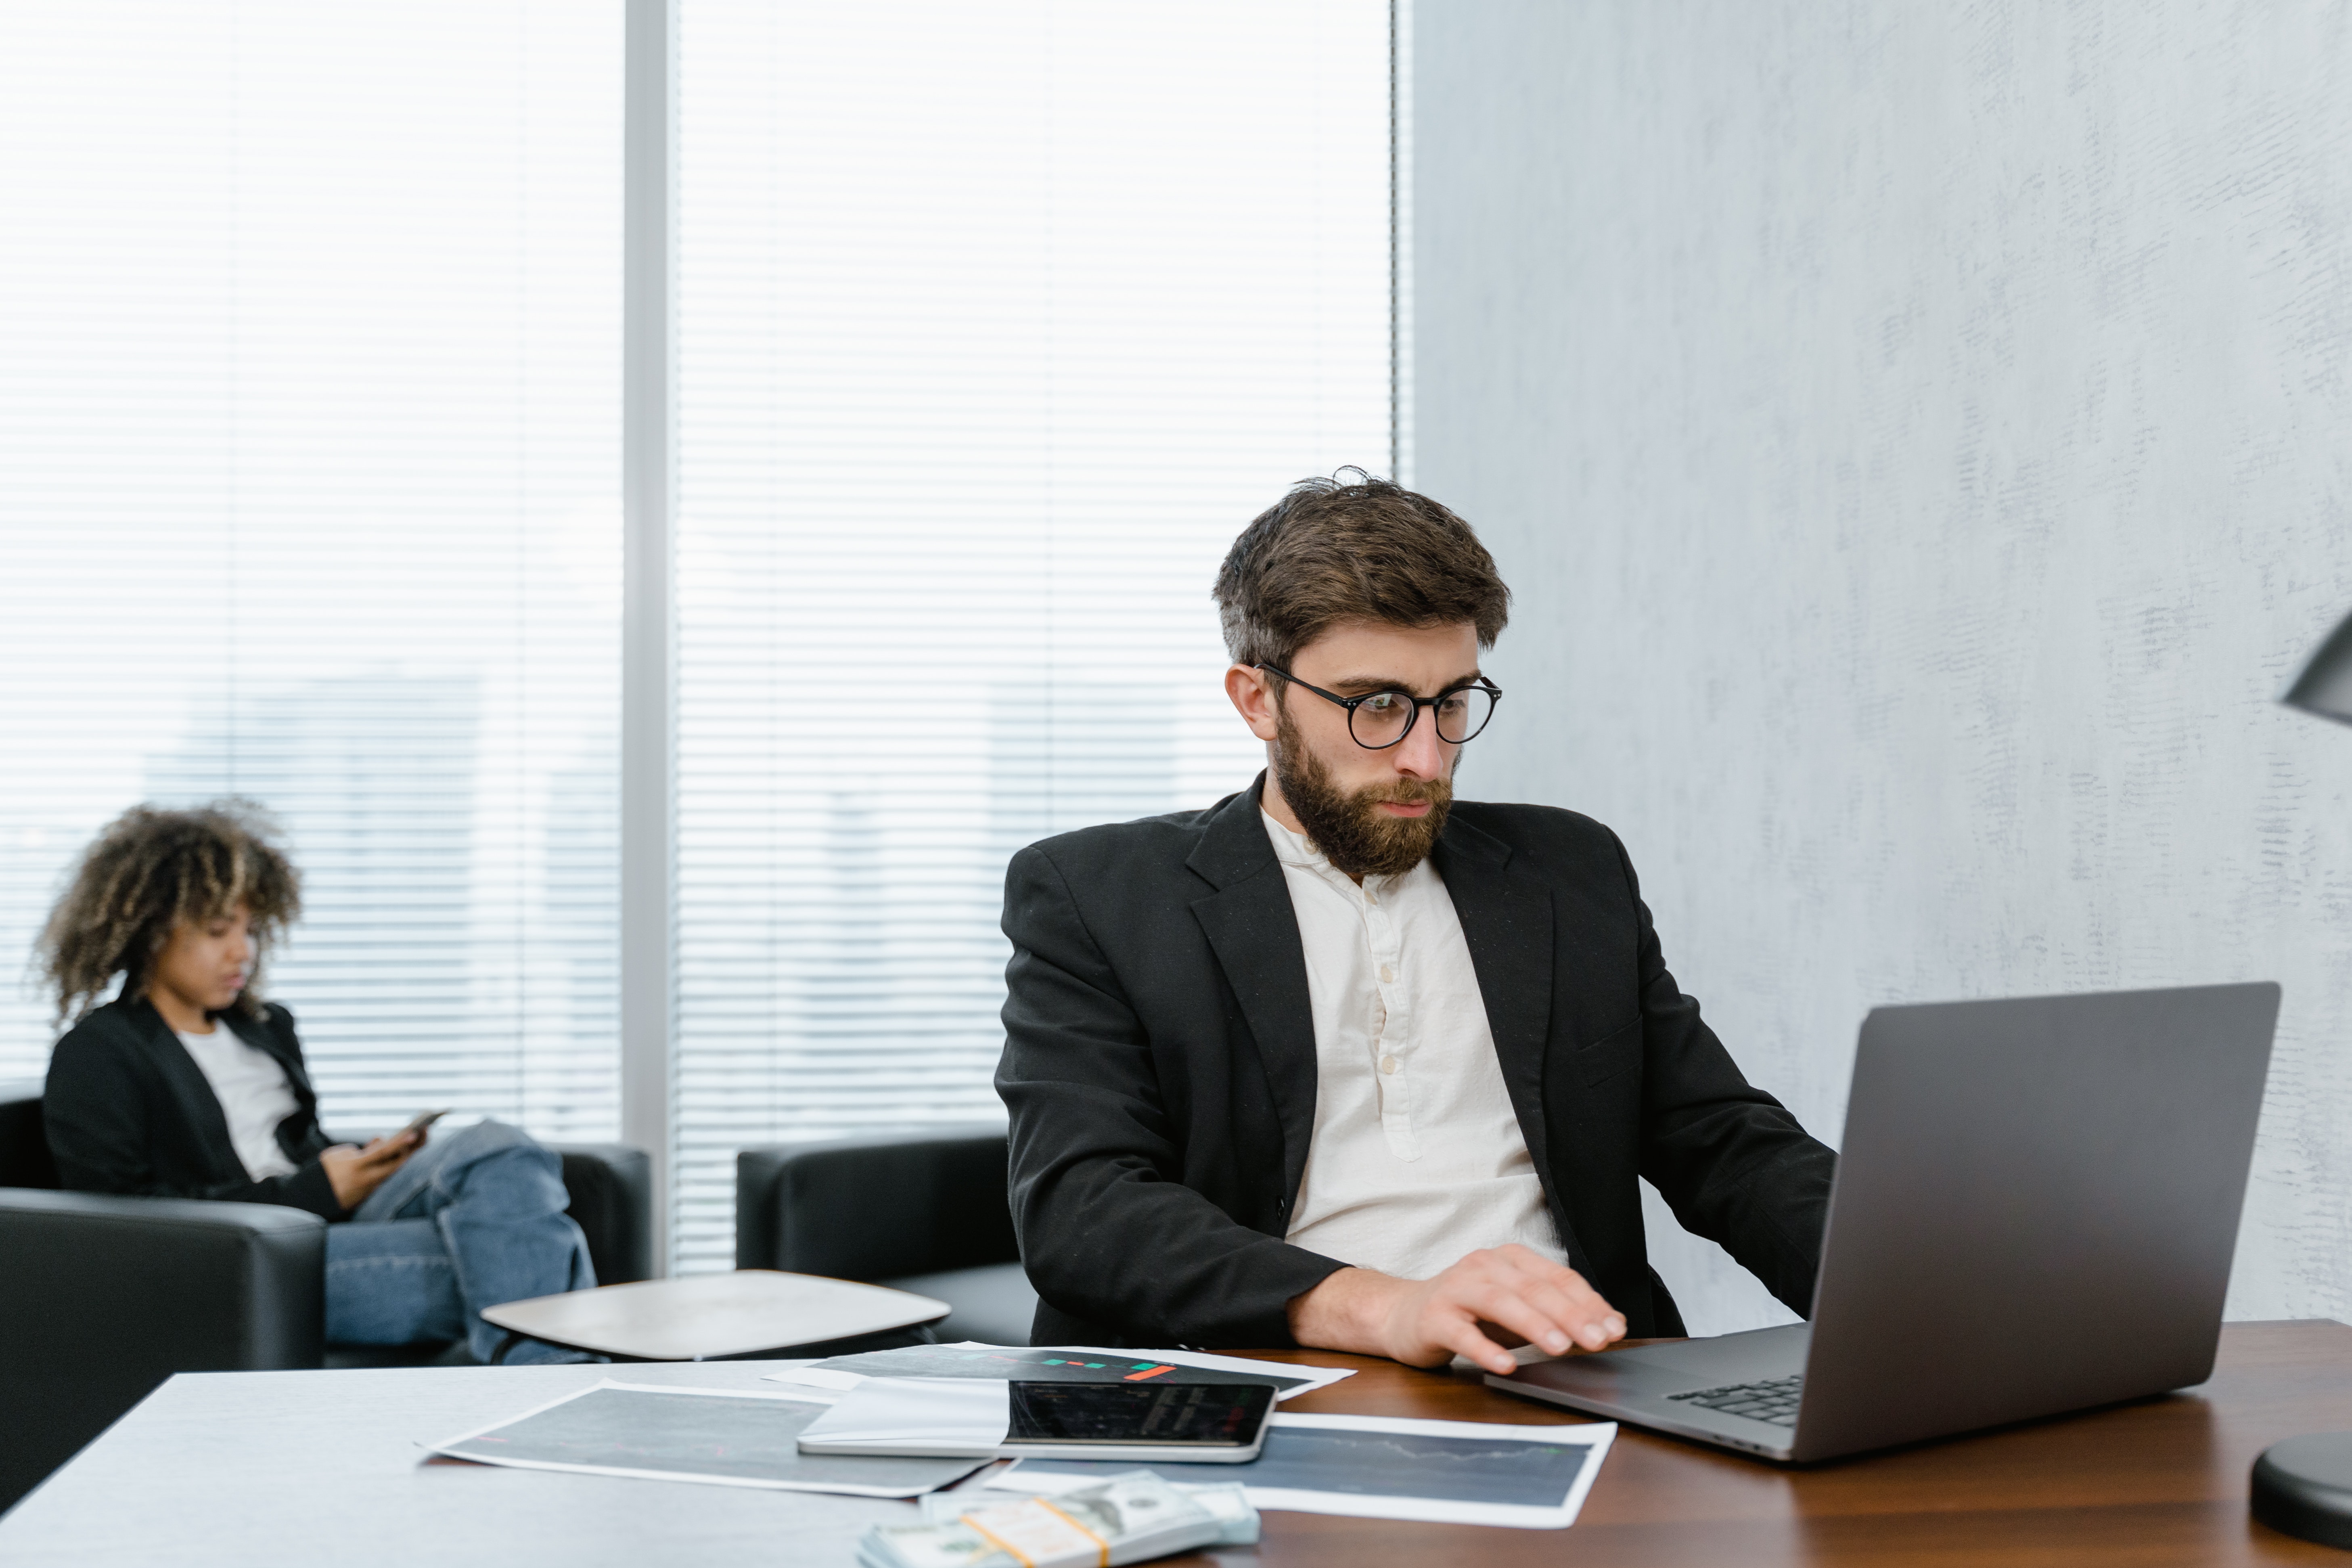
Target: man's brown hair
x,y
148,870
1336,550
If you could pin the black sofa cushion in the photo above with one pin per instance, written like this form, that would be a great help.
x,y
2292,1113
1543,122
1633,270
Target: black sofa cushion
x,y
925,1212
994,1303
102,1298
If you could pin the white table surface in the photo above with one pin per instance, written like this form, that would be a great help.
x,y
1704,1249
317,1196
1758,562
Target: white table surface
x,y
324,1468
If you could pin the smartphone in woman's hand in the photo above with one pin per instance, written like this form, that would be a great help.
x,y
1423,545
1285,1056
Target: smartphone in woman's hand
x,y
422,1119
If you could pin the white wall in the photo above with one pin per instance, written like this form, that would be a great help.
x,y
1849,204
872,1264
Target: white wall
x,y
1920,440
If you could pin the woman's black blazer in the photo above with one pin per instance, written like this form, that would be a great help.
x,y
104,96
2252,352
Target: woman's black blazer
x,y
128,1111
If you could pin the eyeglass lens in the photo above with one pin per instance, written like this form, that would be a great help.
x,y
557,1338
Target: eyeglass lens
x,y
1381,719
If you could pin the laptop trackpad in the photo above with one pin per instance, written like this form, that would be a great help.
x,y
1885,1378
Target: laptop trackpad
x,y
1653,1370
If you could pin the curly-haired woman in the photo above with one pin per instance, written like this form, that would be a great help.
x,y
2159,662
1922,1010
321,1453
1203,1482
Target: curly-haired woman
x,y
187,1085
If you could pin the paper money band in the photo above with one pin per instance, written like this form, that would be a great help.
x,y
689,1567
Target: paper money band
x,y
1036,1534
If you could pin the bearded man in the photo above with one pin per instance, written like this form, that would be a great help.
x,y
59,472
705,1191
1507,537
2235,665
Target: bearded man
x,y
1343,1061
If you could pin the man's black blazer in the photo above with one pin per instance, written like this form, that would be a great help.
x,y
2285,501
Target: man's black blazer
x,y
129,1110
1160,1069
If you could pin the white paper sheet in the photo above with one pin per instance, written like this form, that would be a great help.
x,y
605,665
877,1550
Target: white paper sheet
x,y
814,1374
1379,1466
808,1375
612,1428
938,1415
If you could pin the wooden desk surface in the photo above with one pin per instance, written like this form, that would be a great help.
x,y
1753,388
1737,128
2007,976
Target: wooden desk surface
x,y
2160,1481
241,1468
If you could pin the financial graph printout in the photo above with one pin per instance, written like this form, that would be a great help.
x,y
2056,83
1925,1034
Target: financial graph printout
x,y
1012,1363
722,1437
1532,1476
1388,1464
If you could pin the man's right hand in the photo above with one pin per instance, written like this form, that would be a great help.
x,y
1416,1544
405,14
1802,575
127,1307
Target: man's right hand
x,y
354,1172
1424,1323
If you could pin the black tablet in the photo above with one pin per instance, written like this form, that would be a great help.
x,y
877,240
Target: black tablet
x,y
1199,1423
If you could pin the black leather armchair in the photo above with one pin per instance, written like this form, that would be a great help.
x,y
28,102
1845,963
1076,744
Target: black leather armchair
x,y
922,1212
102,1298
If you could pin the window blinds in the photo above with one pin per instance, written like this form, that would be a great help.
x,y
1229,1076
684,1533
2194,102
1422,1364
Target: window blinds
x,y
310,322
995,325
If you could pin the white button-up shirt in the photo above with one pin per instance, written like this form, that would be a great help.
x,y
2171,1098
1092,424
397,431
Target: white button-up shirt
x,y
1416,1157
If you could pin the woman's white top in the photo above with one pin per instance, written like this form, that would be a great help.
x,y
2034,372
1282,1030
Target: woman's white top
x,y
253,1093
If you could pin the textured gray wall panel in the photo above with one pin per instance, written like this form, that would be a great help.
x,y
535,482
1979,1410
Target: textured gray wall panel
x,y
1917,437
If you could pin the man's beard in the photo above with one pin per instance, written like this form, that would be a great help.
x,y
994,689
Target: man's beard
x,y
1354,834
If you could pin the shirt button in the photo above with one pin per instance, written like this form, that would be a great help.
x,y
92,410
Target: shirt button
x,y
1387,973
1387,1063
1371,897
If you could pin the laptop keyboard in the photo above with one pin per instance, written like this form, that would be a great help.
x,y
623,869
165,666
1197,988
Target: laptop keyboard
x,y
1775,1401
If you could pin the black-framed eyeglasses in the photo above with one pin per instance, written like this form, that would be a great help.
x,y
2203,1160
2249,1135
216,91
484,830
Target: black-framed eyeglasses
x,y
1378,720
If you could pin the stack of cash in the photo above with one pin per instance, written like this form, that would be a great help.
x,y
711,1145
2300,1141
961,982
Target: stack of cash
x,y
1226,1503
1129,1518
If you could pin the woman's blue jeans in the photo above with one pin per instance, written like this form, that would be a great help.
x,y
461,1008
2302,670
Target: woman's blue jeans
x,y
474,1219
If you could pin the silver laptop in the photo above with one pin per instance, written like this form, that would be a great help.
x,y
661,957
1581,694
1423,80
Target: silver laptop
x,y
2035,1212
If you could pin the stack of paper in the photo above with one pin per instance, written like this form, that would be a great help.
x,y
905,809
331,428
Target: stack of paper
x,y
719,1436
1063,1363
1131,1518
903,1416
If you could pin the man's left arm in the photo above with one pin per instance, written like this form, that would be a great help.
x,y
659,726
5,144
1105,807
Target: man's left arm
x,y
1729,1160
